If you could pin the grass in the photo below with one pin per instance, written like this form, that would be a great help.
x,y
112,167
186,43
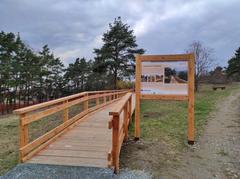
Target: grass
x,y
9,137
159,120
8,143
9,134
167,120
164,131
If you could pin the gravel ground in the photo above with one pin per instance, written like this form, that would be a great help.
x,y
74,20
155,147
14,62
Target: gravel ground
x,y
217,155
37,171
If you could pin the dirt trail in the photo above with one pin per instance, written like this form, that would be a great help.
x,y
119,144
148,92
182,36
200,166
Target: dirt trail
x,y
217,155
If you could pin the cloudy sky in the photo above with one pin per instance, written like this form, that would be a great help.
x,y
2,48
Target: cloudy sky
x,y
73,28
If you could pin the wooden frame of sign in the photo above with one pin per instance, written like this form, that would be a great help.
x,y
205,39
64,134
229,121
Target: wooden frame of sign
x,y
189,58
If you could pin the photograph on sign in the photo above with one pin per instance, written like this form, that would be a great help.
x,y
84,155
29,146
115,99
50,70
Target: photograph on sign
x,y
164,78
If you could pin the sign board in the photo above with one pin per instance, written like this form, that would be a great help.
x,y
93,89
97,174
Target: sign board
x,y
165,77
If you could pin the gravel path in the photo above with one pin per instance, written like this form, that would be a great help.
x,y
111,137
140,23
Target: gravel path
x,y
217,155
38,171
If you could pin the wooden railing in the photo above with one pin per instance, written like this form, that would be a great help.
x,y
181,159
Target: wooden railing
x,y
119,121
39,111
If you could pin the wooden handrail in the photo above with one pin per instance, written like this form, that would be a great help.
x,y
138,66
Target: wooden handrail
x,y
36,112
52,102
120,105
121,111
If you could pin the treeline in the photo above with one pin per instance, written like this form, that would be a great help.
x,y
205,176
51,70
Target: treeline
x,y
28,77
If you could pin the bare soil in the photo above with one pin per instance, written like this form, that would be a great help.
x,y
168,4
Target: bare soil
x,y
216,153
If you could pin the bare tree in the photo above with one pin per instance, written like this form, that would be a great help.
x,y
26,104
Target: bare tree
x,y
203,60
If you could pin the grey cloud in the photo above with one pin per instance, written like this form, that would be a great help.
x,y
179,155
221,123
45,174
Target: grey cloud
x,y
73,28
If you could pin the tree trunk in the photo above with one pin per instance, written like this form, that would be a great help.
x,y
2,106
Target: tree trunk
x,y
115,79
196,85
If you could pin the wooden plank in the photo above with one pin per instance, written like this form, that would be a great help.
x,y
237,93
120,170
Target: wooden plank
x,y
49,135
137,91
99,124
78,140
66,113
84,130
70,161
23,136
98,137
121,138
115,143
36,116
125,124
45,104
36,150
191,70
82,143
85,140
103,140
56,101
118,107
97,101
85,103
80,147
94,96
74,153
164,97
107,91
23,132
101,105
178,57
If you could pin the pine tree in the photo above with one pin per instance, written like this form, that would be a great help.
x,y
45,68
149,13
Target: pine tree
x,y
76,74
116,56
233,68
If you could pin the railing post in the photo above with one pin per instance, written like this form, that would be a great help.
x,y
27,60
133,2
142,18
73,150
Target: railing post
x,y
23,132
130,109
85,103
97,101
23,137
125,121
65,112
104,99
115,143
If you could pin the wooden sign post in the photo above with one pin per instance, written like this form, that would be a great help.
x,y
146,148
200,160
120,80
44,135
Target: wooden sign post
x,y
189,95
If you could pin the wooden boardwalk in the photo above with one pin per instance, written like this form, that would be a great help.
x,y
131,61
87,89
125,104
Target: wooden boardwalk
x,y
87,143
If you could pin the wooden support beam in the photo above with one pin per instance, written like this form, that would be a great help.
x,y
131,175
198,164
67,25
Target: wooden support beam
x,y
104,99
46,104
178,57
85,103
23,132
125,121
23,135
34,113
137,90
97,101
115,143
130,110
65,112
191,100
120,105
164,97
51,110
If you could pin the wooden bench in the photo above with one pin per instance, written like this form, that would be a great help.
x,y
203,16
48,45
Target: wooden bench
x,y
218,87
